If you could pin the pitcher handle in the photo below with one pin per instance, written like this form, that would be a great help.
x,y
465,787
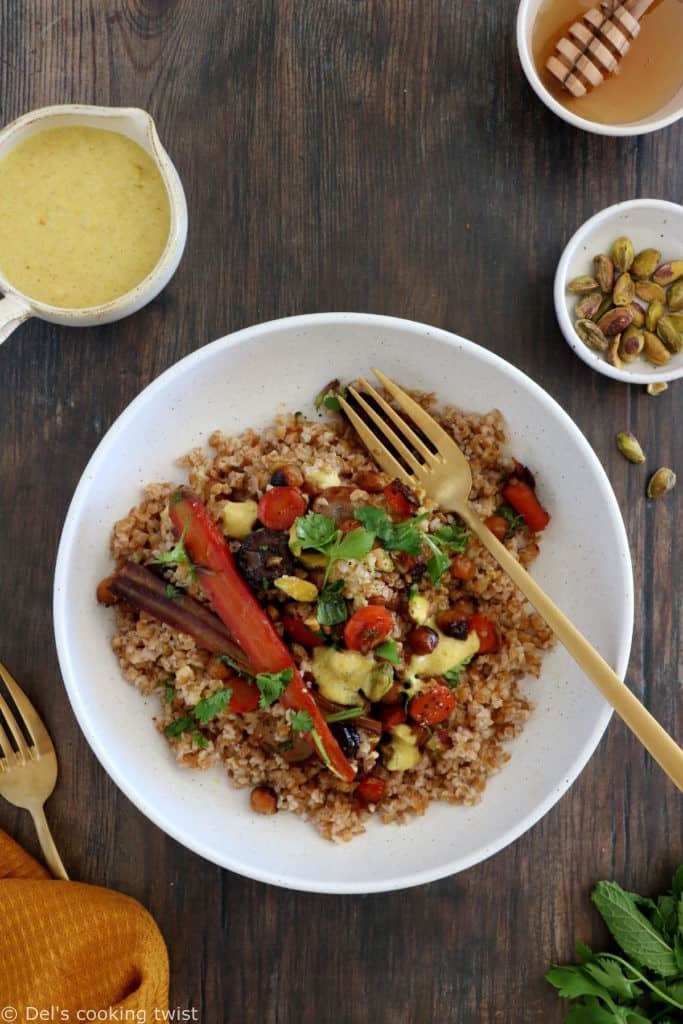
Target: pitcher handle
x,y
12,313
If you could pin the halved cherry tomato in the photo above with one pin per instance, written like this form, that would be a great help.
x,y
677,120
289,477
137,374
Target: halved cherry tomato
x,y
400,499
523,499
368,627
486,631
297,630
498,525
280,506
370,789
245,695
391,715
432,706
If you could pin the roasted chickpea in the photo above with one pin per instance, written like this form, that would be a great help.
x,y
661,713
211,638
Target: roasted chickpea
x,y
423,640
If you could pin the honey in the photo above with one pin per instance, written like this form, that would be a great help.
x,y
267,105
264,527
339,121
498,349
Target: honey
x,y
647,78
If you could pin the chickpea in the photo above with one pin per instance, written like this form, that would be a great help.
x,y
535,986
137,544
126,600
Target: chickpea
x,y
423,640
263,800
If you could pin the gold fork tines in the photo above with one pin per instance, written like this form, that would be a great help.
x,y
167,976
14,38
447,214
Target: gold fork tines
x,y
29,773
445,475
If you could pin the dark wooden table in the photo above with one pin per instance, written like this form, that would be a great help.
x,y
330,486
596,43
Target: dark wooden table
x,y
376,155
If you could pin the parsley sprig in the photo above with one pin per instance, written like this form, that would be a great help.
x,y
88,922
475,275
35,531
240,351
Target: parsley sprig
x,y
301,721
452,677
316,532
272,685
646,983
515,521
407,536
177,556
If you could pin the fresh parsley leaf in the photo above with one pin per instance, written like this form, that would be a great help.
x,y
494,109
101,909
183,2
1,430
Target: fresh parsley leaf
x,y
403,536
176,556
301,721
438,563
179,726
515,521
356,545
452,677
199,740
316,531
332,403
572,982
169,694
227,660
638,938
677,885
272,685
388,651
331,607
342,716
172,591
610,975
212,706
452,537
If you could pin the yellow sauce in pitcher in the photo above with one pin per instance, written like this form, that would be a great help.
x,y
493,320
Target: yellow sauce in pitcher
x,y
84,216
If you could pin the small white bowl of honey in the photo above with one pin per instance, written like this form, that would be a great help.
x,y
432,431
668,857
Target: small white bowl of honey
x,y
643,95
93,217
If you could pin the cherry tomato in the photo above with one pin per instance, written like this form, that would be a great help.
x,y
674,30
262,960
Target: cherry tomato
x,y
370,789
280,506
391,715
486,631
400,499
432,706
297,630
245,696
368,627
498,525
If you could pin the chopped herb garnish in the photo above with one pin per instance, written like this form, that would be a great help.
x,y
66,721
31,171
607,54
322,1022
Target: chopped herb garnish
x,y
439,561
329,397
403,536
452,677
169,694
342,716
301,721
180,725
212,706
331,607
324,756
272,685
231,663
177,556
515,521
199,740
172,591
320,533
452,537
388,651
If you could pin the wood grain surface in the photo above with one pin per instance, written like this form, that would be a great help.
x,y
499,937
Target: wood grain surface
x,y
374,155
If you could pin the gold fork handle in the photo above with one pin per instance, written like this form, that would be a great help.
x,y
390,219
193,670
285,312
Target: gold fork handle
x,y
47,844
654,738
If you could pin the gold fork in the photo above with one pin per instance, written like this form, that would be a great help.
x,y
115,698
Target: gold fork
x,y
28,775
444,473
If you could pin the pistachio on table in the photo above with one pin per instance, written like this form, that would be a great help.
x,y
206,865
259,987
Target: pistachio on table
x,y
657,387
669,335
631,344
653,350
582,285
669,272
661,482
624,290
654,311
603,269
591,335
645,264
623,254
629,446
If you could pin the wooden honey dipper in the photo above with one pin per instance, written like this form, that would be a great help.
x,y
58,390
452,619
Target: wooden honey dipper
x,y
596,43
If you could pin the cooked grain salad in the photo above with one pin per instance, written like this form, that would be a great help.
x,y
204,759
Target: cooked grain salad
x,y
340,644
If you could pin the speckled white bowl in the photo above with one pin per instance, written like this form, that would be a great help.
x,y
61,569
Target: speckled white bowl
x,y
243,380
650,224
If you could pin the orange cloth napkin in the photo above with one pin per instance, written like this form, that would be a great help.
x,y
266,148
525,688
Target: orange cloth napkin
x,y
74,947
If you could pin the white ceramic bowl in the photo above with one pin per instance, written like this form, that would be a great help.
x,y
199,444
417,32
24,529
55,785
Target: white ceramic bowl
x,y
526,16
650,224
137,125
242,380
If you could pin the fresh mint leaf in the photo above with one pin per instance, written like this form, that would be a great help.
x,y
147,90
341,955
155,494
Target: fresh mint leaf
x,y
638,938
179,726
199,740
356,544
515,521
316,531
453,538
388,651
331,607
301,721
210,707
272,685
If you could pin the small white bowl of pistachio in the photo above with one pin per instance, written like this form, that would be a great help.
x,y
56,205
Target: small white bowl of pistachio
x,y
619,292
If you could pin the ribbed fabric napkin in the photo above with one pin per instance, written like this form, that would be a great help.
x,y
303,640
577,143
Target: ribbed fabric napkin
x,y
70,947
